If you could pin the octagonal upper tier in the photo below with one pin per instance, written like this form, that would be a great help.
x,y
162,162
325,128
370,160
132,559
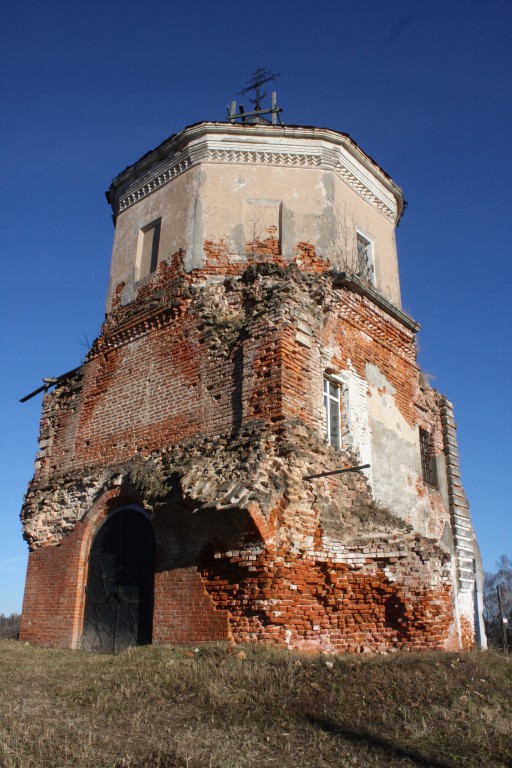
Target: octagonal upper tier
x,y
250,190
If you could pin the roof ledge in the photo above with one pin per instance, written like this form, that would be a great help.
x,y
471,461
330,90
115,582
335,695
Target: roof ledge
x,y
355,284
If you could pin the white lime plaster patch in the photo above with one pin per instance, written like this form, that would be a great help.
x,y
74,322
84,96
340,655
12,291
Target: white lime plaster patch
x,y
396,461
356,429
466,606
359,433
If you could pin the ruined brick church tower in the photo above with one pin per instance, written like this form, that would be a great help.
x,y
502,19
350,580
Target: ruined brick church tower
x,y
188,485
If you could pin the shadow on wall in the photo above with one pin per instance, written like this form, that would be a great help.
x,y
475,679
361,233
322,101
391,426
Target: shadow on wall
x,y
394,611
186,536
236,394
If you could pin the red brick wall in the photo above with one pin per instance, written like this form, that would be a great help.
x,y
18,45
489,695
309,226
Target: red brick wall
x,y
385,602
50,608
54,597
184,612
381,597
203,387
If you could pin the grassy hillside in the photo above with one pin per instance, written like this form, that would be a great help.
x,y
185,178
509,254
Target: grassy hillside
x,y
225,708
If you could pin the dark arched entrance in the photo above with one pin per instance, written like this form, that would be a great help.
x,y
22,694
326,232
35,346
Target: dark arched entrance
x,y
119,595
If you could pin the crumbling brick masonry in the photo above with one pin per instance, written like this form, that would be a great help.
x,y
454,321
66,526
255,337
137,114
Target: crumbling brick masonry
x,y
204,406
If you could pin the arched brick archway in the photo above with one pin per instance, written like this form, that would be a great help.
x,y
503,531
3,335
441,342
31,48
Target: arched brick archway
x,y
118,611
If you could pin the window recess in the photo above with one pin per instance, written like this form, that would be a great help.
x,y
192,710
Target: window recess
x,y
365,261
428,468
333,407
149,242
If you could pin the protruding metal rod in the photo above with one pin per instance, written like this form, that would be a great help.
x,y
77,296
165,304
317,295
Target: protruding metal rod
x,y
48,382
337,472
34,393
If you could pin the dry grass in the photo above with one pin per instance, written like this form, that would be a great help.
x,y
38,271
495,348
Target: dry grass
x,y
173,708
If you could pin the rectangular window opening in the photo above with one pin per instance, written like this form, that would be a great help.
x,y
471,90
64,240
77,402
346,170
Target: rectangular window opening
x,y
427,459
149,244
262,225
365,267
332,405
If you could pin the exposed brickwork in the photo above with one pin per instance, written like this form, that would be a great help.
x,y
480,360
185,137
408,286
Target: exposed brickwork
x,y
200,622
54,596
201,402
374,602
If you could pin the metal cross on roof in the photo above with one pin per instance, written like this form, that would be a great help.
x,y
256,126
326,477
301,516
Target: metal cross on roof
x,y
257,79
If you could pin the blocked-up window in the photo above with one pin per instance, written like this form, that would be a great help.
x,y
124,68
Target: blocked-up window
x,y
427,462
262,226
332,405
149,241
365,266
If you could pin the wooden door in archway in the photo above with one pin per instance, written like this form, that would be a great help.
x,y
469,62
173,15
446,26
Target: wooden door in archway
x,y
119,594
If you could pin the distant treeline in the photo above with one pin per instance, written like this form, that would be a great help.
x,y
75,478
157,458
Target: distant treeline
x,y
498,620
9,626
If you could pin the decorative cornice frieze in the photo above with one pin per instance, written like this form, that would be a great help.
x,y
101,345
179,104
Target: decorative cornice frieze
x,y
155,182
364,192
263,157
205,154
295,148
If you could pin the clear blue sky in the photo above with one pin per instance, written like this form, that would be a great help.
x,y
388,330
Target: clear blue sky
x,y
424,88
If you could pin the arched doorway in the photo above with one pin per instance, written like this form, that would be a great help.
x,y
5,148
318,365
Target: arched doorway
x,y
119,594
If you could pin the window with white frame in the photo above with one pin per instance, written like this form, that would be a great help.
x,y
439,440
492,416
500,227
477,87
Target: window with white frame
x,y
332,405
365,265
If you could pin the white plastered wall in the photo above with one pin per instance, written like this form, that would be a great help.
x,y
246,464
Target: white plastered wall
x,y
318,201
176,205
